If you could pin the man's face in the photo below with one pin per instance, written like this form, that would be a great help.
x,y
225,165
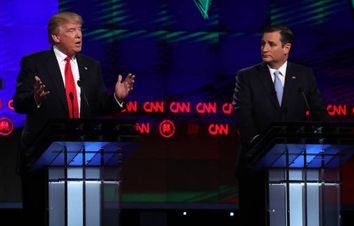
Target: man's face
x,y
273,52
69,38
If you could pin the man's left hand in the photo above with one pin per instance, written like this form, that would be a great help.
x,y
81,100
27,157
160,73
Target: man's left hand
x,y
124,87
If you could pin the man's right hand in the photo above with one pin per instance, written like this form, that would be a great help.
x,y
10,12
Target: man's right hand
x,y
40,91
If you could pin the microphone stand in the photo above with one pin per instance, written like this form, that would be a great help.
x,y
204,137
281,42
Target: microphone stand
x,y
79,83
306,103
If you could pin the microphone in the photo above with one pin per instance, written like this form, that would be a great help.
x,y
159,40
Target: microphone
x,y
306,101
71,96
79,83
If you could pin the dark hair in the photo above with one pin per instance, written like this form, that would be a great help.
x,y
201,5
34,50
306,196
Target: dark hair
x,y
286,35
59,19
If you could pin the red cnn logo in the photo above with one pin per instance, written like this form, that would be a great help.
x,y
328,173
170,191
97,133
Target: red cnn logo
x,y
218,129
6,126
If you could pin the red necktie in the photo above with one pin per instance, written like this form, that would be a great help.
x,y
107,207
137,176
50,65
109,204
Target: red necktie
x,y
70,90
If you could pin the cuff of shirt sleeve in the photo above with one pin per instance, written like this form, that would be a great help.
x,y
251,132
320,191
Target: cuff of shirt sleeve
x,y
38,105
119,102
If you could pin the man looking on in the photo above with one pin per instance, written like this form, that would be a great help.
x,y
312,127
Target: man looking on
x,y
275,90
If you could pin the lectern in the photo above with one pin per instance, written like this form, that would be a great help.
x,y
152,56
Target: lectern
x,y
303,160
83,159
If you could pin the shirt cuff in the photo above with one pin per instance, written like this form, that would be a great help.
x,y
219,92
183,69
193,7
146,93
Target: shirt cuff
x,y
38,105
119,102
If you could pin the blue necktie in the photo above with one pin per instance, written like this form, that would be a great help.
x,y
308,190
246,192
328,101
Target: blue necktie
x,y
278,86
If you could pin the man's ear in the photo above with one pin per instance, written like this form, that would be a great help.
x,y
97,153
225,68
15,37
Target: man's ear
x,y
55,38
287,48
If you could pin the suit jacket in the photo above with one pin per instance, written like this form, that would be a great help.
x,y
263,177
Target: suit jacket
x,y
45,65
256,105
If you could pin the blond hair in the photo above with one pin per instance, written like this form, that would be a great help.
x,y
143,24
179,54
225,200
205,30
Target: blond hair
x,y
59,19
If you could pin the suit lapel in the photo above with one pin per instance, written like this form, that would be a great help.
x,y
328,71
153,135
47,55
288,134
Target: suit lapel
x,y
266,80
83,70
56,78
290,84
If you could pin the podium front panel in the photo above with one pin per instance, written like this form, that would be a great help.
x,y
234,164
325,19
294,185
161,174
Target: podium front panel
x,y
88,196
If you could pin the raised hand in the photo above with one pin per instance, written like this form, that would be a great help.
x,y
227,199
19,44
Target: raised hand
x,y
123,88
40,91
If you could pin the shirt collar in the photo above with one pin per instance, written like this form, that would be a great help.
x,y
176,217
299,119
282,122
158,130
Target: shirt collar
x,y
60,55
282,69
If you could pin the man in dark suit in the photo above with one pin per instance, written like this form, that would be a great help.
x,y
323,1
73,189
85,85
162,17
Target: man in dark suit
x,y
59,83
273,91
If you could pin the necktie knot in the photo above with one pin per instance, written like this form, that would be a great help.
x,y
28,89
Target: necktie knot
x,y
67,59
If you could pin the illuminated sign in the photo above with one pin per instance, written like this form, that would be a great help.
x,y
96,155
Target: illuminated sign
x,y
167,128
218,129
143,128
10,104
214,108
6,126
176,107
215,128
337,110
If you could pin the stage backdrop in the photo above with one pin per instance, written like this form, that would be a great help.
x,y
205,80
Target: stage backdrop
x,y
23,30
185,55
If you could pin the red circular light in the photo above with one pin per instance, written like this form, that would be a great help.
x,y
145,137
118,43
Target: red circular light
x,y
167,128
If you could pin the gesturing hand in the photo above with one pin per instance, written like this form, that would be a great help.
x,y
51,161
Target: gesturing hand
x,y
40,91
123,88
